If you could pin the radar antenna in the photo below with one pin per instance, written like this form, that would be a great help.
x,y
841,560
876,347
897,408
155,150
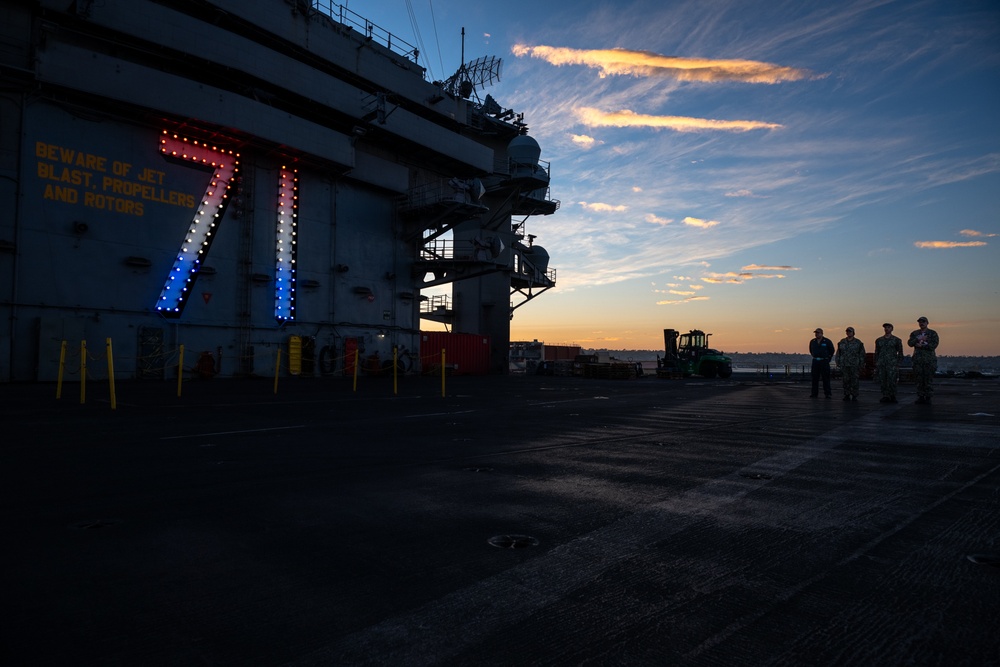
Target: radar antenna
x,y
476,74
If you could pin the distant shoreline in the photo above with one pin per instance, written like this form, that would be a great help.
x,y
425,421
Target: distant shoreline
x,y
779,359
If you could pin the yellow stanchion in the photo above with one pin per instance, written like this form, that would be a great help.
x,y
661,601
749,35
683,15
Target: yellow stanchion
x,y
62,369
395,370
277,367
83,372
111,376
355,370
442,373
180,369
295,355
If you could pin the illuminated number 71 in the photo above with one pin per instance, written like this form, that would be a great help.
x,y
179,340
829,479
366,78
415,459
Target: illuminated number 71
x,y
204,226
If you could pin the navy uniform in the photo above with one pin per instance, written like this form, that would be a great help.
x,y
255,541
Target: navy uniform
x,y
821,350
850,359
924,341
888,354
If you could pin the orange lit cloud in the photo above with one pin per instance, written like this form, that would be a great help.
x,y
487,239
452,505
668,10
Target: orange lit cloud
x,y
623,62
604,208
680,301
625,118
949,244
749,272
728,277
698,222
758,267
584,140
973,232
657,220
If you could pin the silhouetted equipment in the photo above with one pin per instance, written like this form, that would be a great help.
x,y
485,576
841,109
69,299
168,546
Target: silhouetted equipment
x,y
689,354
476,74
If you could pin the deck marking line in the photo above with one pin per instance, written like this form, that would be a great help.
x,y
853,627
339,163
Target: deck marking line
x,y
252,430
438,414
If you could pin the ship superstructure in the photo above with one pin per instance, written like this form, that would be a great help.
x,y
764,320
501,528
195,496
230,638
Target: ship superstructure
x,y
227,174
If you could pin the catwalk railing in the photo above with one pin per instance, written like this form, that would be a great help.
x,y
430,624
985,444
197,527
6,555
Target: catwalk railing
x,y
369,30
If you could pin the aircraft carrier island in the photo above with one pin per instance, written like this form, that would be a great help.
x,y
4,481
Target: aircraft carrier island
x,y
241,178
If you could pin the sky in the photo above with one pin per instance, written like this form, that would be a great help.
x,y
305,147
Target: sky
x,y
754,169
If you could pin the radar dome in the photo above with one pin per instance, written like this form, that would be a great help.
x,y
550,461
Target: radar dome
x,y
538,256
524,150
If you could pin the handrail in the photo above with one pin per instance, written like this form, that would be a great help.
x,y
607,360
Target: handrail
x,y
369,30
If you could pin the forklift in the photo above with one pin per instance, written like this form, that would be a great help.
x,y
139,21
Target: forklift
x,y
689,354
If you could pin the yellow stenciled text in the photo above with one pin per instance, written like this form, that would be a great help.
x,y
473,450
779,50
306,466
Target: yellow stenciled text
x,y
77,177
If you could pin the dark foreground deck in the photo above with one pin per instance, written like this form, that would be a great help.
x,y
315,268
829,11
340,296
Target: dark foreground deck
x,y
514,521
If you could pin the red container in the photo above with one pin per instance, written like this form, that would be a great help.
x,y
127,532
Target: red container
x,y
465,354
561,352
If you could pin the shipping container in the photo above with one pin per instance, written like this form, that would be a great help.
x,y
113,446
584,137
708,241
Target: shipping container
x,y
561,352
464,354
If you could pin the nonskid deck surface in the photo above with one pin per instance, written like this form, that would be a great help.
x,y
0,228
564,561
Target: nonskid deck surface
x,y
512,520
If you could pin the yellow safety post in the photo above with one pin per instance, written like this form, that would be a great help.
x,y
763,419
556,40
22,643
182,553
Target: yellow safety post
x,y
355,370
180,369
83,372
395,370
62,369
442,373
295,355
277,367
111,376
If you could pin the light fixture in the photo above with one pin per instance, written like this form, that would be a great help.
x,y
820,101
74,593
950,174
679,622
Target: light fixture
x,y
224,166
285,244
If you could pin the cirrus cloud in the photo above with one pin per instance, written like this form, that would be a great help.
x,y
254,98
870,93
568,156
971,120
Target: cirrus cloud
x,y
604,208
730,277
745,193
625,62
592,117
584,140
698,222
949,244
677,302
758,267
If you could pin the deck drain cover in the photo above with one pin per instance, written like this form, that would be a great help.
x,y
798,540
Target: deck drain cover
x,y
512,541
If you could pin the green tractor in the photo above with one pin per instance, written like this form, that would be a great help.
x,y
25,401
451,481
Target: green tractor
x,y
689,354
